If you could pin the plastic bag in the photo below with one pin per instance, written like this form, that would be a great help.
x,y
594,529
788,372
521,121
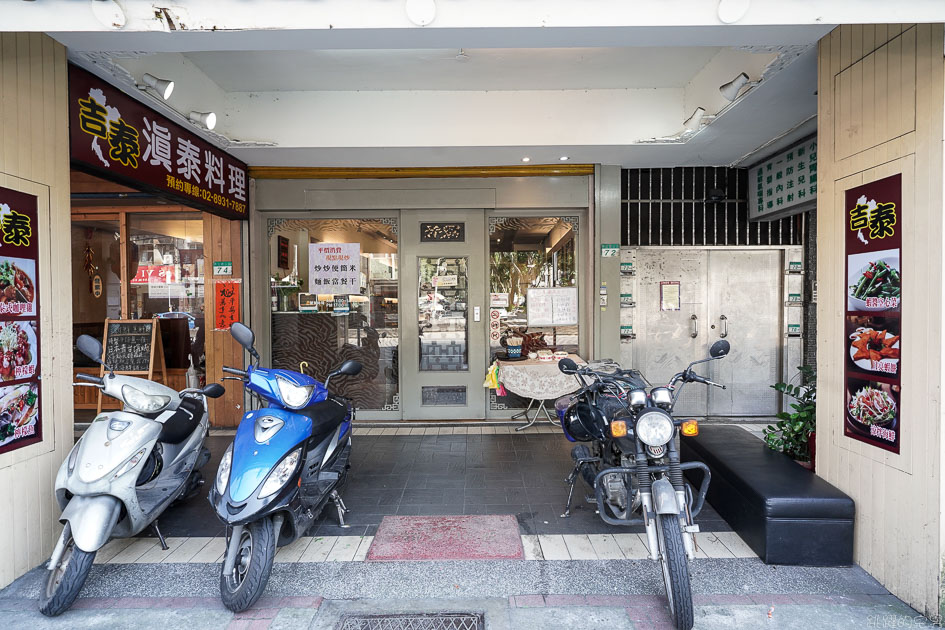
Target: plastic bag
x,y
492,376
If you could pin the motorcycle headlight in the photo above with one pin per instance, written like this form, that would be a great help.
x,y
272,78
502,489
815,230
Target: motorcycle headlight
x,y
654,428
223,470
131,463
294,396
280,474
141,402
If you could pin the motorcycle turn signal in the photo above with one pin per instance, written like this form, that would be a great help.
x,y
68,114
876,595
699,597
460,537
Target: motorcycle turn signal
x,y
618,428
690,428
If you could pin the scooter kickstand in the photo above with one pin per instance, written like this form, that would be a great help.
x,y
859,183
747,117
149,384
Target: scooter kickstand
x,y
571,480
157,532
340,506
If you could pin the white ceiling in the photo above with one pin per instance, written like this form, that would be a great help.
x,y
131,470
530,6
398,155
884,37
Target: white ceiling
x,y
448,69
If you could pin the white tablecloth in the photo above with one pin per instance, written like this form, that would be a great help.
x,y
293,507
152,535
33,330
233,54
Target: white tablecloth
x,y
541,380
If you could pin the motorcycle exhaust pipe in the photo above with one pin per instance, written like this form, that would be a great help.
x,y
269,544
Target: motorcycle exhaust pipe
x,y
230,562
60,548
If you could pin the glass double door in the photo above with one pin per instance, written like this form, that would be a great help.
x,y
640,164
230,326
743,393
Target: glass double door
x,y
443,302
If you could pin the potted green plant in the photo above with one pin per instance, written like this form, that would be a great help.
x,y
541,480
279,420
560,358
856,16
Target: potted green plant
x,y
793,434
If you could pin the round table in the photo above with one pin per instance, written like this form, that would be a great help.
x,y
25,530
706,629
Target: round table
x,y
539,381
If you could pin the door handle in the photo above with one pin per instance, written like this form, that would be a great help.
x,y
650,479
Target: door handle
x,y
695,326
724,321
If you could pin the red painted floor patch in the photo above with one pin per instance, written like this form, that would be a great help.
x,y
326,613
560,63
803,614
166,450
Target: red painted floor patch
x,y
493,537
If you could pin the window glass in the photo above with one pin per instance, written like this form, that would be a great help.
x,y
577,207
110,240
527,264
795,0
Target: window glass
x,y
167,281
444,333
96,280
334,296
526,252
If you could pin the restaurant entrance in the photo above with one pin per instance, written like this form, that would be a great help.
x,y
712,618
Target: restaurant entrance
x,y
444,291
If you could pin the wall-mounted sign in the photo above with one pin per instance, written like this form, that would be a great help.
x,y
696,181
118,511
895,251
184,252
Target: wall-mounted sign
x,y
610,250
553,306
340,305
226,303
499,300
873,323
97,286
669,295
120,138
442,232
334,268
785,183
223,267
20,388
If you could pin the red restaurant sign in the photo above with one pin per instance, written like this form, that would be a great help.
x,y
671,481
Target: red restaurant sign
x,y
122,139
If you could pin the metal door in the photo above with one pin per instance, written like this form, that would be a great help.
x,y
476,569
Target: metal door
x,y
745,305
668,340
442,301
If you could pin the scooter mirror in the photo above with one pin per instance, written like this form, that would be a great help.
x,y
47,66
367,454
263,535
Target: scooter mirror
x,y
719,349
213,390
243,335
567,366
90,347
349,368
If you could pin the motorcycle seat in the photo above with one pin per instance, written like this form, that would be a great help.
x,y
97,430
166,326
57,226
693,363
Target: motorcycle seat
x,y
179,426
326,416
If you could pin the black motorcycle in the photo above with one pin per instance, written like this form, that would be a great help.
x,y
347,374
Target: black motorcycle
x,y
633,464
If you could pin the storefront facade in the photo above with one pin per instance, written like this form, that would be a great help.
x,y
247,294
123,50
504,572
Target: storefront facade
x,y
421,277
436,290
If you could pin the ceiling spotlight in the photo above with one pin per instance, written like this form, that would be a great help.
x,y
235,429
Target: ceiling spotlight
x,y
420,12
526,159
207,119
692,123
731,89
162,86
462,56
731,11
564,158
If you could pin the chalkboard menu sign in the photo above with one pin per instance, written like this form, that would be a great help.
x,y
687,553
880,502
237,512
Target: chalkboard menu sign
x,y
133,346
129,346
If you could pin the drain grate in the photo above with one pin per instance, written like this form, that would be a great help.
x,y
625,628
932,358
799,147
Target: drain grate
x,y
431,621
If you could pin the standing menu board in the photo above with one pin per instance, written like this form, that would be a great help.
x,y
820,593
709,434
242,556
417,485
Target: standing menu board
x,y
20,389
133,346
552,307
873,322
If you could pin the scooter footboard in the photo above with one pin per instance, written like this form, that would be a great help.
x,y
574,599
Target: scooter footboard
x,y
91,520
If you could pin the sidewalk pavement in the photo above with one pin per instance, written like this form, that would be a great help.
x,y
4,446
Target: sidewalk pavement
x,y
512,595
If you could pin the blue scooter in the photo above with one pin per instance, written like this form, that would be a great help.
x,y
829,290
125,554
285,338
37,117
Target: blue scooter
x,y
286,462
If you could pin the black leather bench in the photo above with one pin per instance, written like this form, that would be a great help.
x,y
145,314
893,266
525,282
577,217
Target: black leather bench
x,y
786,514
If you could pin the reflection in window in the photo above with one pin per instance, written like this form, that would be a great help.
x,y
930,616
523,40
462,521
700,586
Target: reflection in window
x,y
336,303
444,335
529,252
167,281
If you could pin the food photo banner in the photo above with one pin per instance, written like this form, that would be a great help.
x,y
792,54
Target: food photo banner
x,y
120,138
873,317
20,421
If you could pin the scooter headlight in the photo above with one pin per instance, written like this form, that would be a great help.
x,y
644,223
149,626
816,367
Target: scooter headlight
x,y
294,396
280,474
74,455
130,464
654,428
141,402
223,471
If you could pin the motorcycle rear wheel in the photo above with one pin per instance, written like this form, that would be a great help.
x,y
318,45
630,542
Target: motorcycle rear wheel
x,y
64,582
257,548
675,566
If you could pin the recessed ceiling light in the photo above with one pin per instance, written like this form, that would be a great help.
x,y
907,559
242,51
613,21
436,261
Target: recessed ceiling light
x,y
564,158
526,159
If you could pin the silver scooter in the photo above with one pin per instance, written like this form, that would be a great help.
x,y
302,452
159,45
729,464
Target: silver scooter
x,y
124,471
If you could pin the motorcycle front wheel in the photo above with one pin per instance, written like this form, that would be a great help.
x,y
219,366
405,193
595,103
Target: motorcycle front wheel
x,y
675,567
257,548
64,582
